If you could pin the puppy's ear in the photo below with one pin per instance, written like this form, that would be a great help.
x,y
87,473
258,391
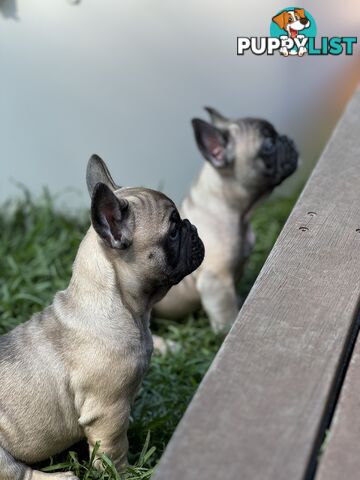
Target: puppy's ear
x,y
281,19
300,12
96,172
217,119
212,143
109,217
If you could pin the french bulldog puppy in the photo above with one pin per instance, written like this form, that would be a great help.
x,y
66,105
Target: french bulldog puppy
x,y
71,371
246,160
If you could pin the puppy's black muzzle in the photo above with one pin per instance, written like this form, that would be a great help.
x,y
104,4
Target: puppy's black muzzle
x,y
304,21
192,252
196,247
283,162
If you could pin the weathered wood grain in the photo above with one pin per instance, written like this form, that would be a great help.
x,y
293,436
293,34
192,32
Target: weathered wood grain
x,y
341,458
262,408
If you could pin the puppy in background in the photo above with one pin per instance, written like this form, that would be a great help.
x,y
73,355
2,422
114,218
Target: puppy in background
x,y
245,160
72,371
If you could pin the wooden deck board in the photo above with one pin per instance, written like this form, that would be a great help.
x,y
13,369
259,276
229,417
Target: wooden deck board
x,y
341,458
262,408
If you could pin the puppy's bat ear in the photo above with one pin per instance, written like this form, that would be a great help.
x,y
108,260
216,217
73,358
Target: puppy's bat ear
x,y
109,217
216,118
96,172
211,142
281,19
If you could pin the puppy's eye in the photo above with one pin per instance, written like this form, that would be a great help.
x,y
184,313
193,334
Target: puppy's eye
x,y
268,146
290,20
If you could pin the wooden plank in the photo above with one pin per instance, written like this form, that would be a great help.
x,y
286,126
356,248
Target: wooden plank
x,y
341,458
263,406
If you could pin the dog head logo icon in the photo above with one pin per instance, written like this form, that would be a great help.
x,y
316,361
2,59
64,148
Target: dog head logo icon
x,y
292,21
293,26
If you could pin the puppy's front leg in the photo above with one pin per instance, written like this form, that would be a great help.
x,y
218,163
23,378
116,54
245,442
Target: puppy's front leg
x,y
219,299
108,426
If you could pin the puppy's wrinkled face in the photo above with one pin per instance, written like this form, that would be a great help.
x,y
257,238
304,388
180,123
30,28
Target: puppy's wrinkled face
x,y
163,247
248,150
269,157
143,228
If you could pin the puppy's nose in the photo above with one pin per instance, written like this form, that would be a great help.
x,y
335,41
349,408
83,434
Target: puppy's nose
x,y
194,233
187,224
289,143
304,21
192,229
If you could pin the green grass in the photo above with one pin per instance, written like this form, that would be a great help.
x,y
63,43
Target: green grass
x,y
37,248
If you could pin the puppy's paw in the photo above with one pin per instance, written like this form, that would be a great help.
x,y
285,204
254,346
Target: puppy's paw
x,y
53,476
64,476
70,476
164,346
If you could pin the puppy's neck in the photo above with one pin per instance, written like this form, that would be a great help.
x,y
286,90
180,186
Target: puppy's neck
x,y
226,190
101,294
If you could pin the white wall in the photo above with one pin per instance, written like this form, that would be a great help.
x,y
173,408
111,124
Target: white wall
x,y
123,78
